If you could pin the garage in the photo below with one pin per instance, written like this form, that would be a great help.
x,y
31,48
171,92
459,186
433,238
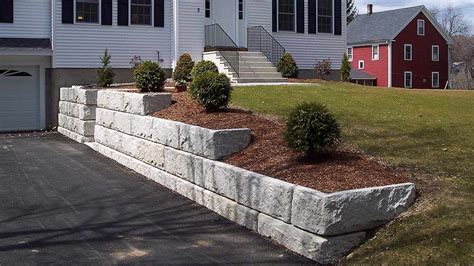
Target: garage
x,y
19,98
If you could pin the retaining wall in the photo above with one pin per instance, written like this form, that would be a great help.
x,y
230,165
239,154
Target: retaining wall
x,y
320,226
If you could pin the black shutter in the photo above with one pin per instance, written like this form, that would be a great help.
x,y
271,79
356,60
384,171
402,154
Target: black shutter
x,y
337,17
300,16
106,12
68,11
122,19
6,12
159,13
274,15
312,16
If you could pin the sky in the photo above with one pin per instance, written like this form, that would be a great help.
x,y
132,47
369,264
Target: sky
x,y
466,6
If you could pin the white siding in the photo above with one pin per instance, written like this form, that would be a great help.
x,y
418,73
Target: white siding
x,y
80,45
191,28
305,48
31,19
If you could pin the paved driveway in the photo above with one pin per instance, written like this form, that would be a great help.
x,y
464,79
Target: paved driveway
x,y
60,202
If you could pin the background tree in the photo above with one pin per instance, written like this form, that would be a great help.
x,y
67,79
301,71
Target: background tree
x,y
105,74
345,68
351,11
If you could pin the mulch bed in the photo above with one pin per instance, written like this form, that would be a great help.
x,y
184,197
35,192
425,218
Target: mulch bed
x,y
268,154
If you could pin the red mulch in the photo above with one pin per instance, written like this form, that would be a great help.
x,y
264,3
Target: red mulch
x,y
268,153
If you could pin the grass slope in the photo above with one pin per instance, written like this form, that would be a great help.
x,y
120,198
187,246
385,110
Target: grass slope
x,y
430,133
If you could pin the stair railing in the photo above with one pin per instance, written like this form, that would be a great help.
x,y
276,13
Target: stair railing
x,y
217,39
259,39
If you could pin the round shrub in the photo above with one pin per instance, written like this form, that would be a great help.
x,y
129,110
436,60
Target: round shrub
x,y
287,66
203,67
149,77
182,71
311,129
212,90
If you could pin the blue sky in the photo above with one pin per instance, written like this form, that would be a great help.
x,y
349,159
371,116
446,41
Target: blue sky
x,y
466,6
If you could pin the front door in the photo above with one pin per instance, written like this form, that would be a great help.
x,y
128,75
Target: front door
x,y
226,14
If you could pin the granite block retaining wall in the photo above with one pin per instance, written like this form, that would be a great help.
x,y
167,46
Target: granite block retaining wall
x,y
181,157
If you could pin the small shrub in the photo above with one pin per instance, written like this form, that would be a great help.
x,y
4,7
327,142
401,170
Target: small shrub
x,y
182,71
287,66
345,68
149,77
203,67
105,74
135,62
311,129
323,68
212,90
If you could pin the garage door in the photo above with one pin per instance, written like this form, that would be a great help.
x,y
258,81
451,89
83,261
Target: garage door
x,y
19,99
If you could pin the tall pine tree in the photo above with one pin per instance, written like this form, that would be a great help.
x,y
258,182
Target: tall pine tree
x,y
351,11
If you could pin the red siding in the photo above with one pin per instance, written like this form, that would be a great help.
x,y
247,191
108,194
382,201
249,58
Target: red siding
x,y
377,68
422,66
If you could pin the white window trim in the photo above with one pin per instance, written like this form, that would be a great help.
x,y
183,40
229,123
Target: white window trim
x,y
378,53
405,79
432,79
99,20
405,52
417,27
351,56
333,19
363,64
432,53
152,18
294,19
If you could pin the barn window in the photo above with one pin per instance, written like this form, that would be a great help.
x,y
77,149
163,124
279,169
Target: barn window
x,y
141,12
435,53
408,79
375,52
408,52
435,79
421,27
361,64
349,54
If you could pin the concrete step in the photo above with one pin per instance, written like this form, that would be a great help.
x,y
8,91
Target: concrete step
x,y
259,80
260,75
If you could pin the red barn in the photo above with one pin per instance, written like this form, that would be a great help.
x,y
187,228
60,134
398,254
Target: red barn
x,y
399,48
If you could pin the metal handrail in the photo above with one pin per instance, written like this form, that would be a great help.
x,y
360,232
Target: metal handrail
x,y
259,39
217,37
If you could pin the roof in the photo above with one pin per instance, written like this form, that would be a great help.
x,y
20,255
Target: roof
x,y
380,26
357,74
25,43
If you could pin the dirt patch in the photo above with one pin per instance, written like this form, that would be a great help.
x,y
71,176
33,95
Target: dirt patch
x,y
268,154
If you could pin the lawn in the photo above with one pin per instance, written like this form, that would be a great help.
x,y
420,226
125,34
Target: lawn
x,y
428,133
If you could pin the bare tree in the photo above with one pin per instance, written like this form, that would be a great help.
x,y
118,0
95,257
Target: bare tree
x,y
452,20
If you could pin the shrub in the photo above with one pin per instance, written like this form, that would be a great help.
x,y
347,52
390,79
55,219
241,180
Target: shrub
x,y
203,67
182,71
105,74
136,61
345,68
311,129
323,68
212,90
287,66
149,77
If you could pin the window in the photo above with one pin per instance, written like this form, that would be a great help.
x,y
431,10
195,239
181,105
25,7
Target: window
x,y
408,79
435,79
408,52
6,11
207,9
361,64
241,9
375,52
435,53
141,12
87,11
325,16
349,54
286,15
421,27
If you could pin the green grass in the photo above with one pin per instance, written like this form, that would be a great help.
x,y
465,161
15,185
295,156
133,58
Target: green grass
x,y
429,133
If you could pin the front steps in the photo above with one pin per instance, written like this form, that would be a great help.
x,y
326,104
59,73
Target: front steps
x,y
254,67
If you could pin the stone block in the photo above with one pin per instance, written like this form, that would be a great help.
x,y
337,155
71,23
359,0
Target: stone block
x,y
324,250
165,132
349,211
220,178
265,194
80,111
85,128
79,94
74,136
133,103
229,141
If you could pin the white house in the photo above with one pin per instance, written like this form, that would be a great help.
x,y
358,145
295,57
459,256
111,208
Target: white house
x,y
46,44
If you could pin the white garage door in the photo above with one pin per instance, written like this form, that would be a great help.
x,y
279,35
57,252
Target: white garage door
x,y
19,99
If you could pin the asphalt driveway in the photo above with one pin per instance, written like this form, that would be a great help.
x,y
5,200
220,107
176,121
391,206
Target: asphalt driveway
x,y
61,202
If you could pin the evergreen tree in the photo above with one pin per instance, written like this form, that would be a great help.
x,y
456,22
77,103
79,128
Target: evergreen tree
x,y
105,74
351,11
345,68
